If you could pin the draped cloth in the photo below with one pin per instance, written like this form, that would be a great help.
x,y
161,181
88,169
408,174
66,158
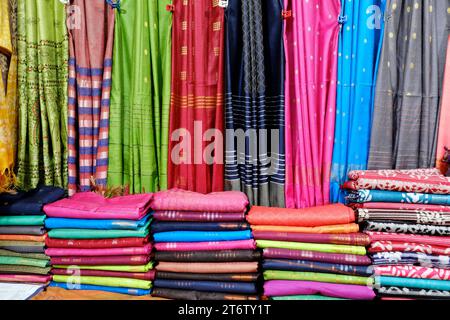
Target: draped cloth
x,y
311,42
8,92
196,108
409,85
91,36
254,102
359,46
140,96
43,76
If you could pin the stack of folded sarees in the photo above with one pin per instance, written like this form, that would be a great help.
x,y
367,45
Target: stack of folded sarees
x,y
312,254
22,235
406,214
204,247
101,244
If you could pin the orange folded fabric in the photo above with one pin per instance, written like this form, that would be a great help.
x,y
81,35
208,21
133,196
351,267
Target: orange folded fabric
x,y
22,237
310,217
335,229
208,267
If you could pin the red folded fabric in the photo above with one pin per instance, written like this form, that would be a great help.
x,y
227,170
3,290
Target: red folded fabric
x,y
400,206
150,275
100,261
97,243
390,246
356,239
413,272
395,237
25,278
310,217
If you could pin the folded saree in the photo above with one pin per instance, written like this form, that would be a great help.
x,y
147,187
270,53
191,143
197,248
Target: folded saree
x,y
208,267
413,272
208,286
351,259
64,223
391,246
413,292
310,217
418,180
119,268
305,297
68,252
431,240
9,253
357,239
149,275
162,226
331,248
178,216
22,246
113,260
16,269
310,266
98,234
104,281
198,295
20,237
208,256
128,291
411,258
25,278
90,205
206,246
177,199
25,230
406,228
24,261
339,228
315,276
96,243
290,288
22,220
31,202
385,281
201,236
398,206
419,217
362,196
234,277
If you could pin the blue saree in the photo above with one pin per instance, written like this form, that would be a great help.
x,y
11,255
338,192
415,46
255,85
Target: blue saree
x,y
201,236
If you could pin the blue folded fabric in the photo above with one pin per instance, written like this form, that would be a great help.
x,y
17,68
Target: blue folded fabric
x,y
130,291
208,286
164,226
411,258
413,283
200,236
362,196
63,223
311,266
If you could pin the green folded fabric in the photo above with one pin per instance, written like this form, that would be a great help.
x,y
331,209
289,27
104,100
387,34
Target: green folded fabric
x,y
139,268
104,281
22,220
14,269
318,277
99,234
306,297
24,261
331,248
9,253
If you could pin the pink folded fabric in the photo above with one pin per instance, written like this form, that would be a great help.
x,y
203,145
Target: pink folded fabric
x,y
64,252
208,267
430,240
401,206
24,278
197,216
176,199
89,205
413,272
206,246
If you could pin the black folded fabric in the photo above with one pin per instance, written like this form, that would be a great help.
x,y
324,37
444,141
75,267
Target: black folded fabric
x,y
30,203
407,228
235,277
413,293
164,226
198,295
25,230
208,256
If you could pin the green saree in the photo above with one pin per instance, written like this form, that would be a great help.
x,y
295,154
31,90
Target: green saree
x,y
140,96
42,83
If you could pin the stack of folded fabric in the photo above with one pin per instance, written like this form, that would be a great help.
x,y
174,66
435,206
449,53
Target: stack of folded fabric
x,y
22,235
101,244
204,247
312,254
406,214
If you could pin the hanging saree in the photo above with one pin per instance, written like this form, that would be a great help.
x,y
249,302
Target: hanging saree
x,y
359,45
89,92
409,85
196,108
140,96
8,92
311,42
255,101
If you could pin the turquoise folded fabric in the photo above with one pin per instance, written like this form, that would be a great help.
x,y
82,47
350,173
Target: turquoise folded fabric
x,y
22,220
362,196
99,234
202,236
64,223
413,283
